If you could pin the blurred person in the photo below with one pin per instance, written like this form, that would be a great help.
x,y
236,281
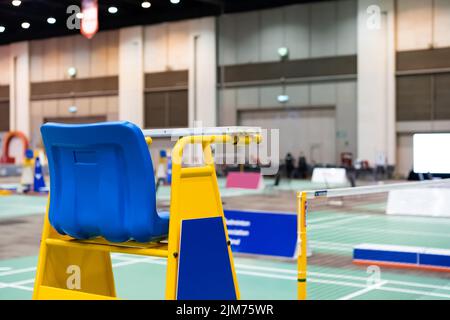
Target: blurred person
x,y
289,163
302,166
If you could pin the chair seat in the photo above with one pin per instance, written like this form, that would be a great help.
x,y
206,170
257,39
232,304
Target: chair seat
x,y
158,249
164,216
102,182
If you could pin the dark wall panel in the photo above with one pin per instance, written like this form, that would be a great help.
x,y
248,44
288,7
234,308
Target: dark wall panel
x,y
178,108
75,88
442,94
155,109
423,59
4,93
166,109
316,67
414,98
169,79
77,119
4,116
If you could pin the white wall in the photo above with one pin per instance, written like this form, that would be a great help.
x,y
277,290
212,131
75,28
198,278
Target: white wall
x,y
50,58
308,30
341,94
131,75
404,154
423,24
202,73
166,47
376,84
4,65
187,45
19,87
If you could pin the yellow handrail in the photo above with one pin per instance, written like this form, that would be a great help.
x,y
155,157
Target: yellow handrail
x,y
177,152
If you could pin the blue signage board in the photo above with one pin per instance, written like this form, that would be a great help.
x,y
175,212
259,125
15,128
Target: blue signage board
x,y
262,233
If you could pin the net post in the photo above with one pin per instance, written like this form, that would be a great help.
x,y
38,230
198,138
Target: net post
x,y
302,252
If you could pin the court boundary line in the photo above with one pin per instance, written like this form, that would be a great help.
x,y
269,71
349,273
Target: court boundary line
x,y
364,291
124,261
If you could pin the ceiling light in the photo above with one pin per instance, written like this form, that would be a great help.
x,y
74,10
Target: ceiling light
x,y
2,29
25,25
175,1
51,20
112,10
16,3
146,4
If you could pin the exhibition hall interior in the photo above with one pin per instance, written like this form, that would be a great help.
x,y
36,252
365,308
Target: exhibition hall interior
x,y
224,150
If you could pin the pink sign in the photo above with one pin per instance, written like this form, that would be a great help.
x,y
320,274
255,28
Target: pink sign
x,y
245,180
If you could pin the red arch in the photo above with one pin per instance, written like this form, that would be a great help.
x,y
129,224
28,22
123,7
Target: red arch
x,y
5,158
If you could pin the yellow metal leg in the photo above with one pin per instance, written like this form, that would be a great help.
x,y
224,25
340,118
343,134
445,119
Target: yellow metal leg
x,y
72,273
71,269
194,195
302,253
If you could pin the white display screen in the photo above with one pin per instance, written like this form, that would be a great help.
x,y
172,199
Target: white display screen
x,y
431,153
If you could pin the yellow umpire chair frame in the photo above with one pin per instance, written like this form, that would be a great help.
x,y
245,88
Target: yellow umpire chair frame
x,y
70,268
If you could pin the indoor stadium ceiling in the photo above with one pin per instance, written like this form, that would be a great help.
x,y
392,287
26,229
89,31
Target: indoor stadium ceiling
x,y
130,12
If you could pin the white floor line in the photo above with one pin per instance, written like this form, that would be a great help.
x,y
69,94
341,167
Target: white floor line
x,y
341,221
347,284
266,275
314,221
125,262
363,291
312,280
347,277
396,282
431,294
2,286
17,271
288,271
17,285
334,244
422,220
31,269
318,246
130,261
125,256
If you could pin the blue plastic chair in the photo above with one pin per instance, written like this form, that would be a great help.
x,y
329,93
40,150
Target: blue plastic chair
x,y
102,182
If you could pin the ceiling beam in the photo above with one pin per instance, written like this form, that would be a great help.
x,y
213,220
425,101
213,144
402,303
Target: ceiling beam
x,y
218,3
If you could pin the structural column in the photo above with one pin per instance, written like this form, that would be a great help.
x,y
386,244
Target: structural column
x,y
131,75
19,87
202,73
376,81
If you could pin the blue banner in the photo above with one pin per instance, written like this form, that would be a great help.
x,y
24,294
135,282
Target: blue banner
x,y
262,233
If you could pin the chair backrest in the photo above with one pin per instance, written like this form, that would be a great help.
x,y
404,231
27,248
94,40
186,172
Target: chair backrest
x,y
101,181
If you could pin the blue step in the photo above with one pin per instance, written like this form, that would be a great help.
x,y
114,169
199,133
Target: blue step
x,y
402,255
